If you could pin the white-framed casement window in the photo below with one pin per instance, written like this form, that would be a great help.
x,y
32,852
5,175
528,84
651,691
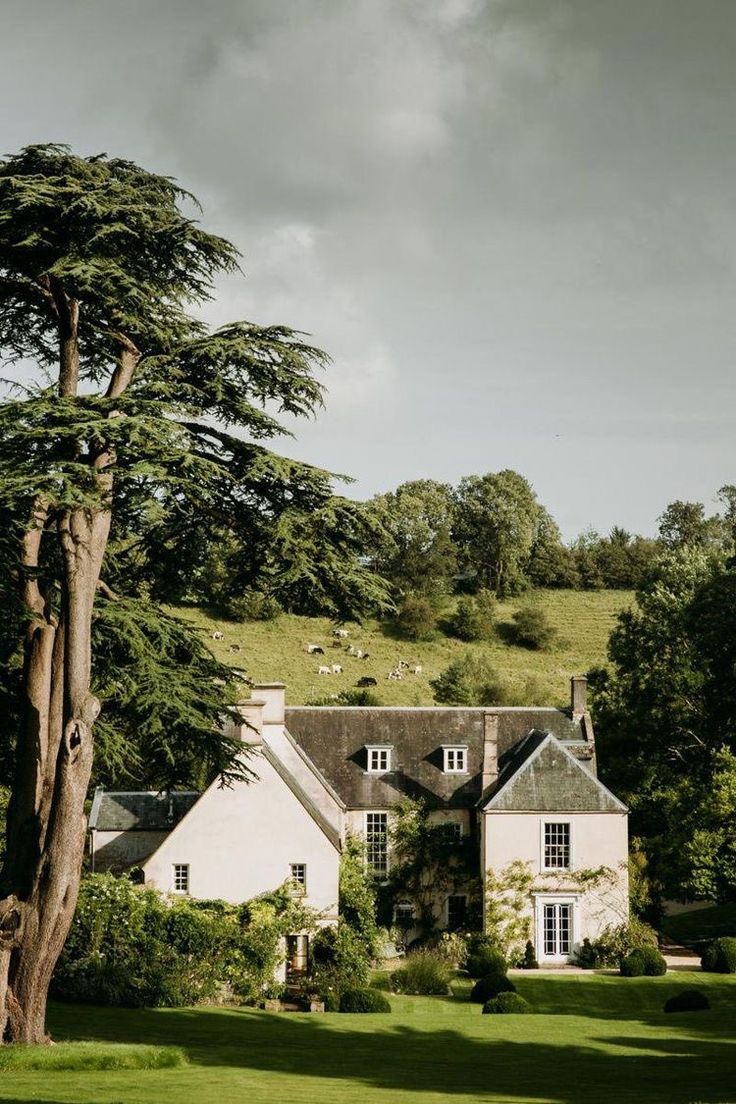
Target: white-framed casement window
x,y
404,914
298,878
379,759
456,759
556,845
180,878
451,831
376,843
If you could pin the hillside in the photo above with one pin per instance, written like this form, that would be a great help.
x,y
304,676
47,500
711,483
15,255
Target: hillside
x,y
276,650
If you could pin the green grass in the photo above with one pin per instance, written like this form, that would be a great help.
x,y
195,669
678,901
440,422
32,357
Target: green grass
x,y
594,1038
90,1056
276,650
702,925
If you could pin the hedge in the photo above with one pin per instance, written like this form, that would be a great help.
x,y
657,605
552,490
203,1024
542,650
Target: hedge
x,y
363,1000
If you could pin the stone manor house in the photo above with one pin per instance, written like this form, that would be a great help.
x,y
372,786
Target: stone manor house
x,y
521,782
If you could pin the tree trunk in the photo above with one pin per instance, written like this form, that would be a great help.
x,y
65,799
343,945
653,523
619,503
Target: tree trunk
x,y
46,827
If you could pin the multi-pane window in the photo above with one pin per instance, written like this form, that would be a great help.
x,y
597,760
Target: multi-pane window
x,y
457,909
404,914
451,831
557,929
376,843
299,878
557,846
455,760
181,878
379,760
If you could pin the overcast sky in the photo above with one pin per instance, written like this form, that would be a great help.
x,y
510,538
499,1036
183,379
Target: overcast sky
x,y
510,223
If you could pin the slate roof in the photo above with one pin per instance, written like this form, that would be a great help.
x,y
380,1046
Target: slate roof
x,y
139,812
541,775
335,739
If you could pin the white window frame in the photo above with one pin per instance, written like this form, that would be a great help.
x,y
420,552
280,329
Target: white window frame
x,y
380,874
404,913
176,878
298,884
543,825
457,754
452,828
378,758
542,899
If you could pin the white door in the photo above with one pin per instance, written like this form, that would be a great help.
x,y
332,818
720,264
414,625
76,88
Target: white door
x,y
556,936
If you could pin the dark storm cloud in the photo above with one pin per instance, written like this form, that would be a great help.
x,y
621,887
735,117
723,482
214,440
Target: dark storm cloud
x,y
511,223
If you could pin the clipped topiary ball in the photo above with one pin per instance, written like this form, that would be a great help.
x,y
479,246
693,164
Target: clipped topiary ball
x,y
491,986
506,1003
655,964
632,965
688,1000
719,957
486,961
363,1000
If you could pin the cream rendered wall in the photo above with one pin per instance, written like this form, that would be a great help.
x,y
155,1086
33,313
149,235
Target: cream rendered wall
x,y
597,839
240,841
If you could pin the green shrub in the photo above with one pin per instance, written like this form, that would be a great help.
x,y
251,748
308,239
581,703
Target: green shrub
x,y
424,973
488,987
338,961
587,956
632,965
687,1000
617,941
474,617
719,957
416,618
470,680
363,1000
486,962
506,1003
529,961
532,628
131,946
253,605
655,964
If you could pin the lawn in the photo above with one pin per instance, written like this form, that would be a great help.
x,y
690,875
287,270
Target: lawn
x,y
595,1038
701,925
276,650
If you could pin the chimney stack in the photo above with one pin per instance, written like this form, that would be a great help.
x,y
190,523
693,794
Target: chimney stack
x,y
578,694
490,749
273,695
251,730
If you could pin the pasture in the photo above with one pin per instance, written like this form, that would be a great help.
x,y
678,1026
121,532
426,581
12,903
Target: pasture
x,y
593,1038
271,651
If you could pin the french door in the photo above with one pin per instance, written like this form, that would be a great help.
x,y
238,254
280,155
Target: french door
x,y
556,934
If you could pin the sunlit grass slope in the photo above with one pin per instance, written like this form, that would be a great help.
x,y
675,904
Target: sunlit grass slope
x,y
276,650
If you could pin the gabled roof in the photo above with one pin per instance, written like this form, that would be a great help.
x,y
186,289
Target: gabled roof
x,y
302,796
543,775
127,811
335,739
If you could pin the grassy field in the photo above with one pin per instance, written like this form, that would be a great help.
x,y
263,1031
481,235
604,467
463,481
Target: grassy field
x,y
595,1038
701,925
276,650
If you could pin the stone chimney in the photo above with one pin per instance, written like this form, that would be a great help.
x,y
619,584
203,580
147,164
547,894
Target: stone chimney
x,y
490,749
273,695
251,730
578,695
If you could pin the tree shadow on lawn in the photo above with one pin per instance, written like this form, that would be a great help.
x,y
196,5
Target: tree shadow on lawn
x,y
536,1058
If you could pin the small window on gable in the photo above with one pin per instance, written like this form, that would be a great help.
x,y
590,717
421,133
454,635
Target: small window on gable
x,y
299,879
379,759
181,878
456,760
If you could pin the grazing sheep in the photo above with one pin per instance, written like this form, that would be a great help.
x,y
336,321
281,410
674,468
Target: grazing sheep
x,y
235,648
402,665
358,654
351,650
367,680
417,670
218,636
324,671
341,634
315,649
395,675
336,669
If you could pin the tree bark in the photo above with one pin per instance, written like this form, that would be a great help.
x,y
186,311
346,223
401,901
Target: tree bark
x,y
46,828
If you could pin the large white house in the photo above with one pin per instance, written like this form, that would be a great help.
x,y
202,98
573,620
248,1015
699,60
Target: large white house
x,y
521,782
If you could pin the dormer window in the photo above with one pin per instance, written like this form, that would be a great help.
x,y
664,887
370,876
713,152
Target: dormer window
x,y
456,758
379,758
